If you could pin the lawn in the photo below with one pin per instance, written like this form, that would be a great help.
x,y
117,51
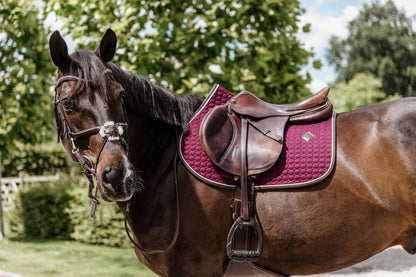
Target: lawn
x,y
68,259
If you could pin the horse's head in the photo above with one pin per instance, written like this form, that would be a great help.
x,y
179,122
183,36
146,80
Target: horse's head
x,y
90,116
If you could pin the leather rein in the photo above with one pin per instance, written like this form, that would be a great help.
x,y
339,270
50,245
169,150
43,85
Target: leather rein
x,y
110,132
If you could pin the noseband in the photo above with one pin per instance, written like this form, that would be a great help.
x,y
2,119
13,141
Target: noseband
x,y
109,132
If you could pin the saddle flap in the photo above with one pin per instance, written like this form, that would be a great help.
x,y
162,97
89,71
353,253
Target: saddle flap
x,y
220,138
216,133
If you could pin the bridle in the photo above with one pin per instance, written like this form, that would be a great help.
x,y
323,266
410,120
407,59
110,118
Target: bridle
x,y
109,131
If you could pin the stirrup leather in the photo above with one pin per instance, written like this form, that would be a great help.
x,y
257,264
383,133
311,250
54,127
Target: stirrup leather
x,y
245,221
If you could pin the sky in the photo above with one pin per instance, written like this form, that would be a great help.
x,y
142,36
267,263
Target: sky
x,y
327,18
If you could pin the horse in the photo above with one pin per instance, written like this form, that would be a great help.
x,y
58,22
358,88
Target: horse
x,y
124,130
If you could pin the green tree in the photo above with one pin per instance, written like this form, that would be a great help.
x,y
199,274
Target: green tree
x,y
362,90
381,41
188,46
25,77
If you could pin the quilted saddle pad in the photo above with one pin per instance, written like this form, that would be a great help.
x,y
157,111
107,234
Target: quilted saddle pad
x,y
308,155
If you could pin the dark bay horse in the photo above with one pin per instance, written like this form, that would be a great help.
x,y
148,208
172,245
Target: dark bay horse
x,y
366,205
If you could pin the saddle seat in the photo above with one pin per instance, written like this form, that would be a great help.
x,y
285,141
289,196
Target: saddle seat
x,y
311,109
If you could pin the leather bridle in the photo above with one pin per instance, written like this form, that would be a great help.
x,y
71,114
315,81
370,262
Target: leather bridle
x,y
109,131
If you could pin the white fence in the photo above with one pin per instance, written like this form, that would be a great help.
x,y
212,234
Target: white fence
x,y
10,185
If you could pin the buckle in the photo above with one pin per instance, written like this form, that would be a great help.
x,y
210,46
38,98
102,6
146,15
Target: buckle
x,y
74,147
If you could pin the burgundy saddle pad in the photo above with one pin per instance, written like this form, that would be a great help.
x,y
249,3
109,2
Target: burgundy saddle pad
x,y
308,154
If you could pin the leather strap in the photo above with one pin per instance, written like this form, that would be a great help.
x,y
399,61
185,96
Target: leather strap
x,y
244,178
86,132
238,240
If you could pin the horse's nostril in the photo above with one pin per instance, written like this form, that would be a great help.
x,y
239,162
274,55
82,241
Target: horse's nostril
x,y
107,172
111,175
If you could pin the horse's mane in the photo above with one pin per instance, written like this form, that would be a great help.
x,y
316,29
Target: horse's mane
x,y
146,99
141,96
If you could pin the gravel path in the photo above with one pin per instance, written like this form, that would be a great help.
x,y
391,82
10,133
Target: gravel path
x,y
394,262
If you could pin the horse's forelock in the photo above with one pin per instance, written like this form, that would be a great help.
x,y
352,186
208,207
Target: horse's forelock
x,y
90,68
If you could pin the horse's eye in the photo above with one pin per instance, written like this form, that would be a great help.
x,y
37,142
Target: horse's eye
x,y
121,92
68,104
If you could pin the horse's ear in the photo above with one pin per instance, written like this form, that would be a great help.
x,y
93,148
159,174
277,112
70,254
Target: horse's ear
x,y
59,51
107,47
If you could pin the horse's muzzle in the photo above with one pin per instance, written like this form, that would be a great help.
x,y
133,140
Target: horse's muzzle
x,y
117,182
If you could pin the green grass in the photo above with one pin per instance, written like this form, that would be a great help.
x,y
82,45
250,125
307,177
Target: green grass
x,y
68,259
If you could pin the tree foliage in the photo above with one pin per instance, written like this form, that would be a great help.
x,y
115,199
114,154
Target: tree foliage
x,y
362,90
184,45
188,46
381,41
25,76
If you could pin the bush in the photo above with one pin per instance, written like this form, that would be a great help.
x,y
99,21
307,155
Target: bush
x,y
108,226
42,159
61,210
41,212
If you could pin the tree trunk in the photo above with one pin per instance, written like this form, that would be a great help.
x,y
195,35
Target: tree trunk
x,y
1,209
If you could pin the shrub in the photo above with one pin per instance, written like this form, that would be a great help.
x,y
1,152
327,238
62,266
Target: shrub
x,y
108,226
41,212
61,210
39,159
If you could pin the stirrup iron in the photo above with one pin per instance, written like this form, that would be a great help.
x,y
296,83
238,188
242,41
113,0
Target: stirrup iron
x,y
239,254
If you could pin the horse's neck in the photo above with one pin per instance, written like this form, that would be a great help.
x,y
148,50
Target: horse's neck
x,y
150,141
156,117
153,151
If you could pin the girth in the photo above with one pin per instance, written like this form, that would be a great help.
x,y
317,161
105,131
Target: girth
x,y
245,137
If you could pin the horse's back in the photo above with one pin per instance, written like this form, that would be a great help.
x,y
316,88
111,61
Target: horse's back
x,y
360,210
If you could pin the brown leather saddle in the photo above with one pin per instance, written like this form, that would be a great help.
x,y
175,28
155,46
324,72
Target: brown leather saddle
x,y
248,126
245,138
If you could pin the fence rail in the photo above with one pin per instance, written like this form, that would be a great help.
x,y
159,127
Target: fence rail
x,y
10,185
